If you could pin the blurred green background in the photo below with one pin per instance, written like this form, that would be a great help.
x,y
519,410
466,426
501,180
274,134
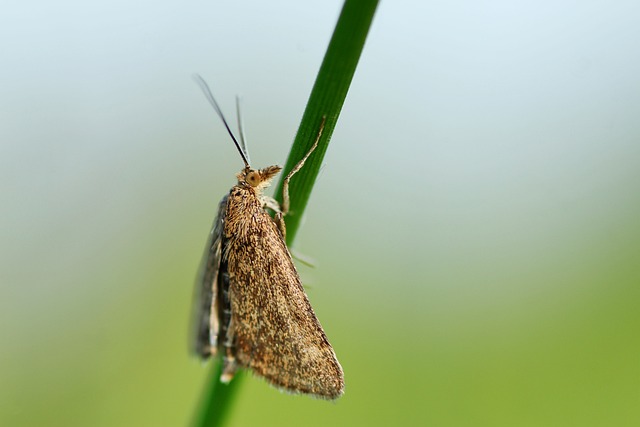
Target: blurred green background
x,y
475,226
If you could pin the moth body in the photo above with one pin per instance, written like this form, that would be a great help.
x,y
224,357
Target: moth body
x,y
251,308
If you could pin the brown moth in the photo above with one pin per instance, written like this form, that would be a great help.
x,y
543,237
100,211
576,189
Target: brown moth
x,y
251,307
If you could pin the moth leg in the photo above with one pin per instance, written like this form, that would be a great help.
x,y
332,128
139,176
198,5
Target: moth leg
x,y
271,203
296,168
230,366
281,225
304,259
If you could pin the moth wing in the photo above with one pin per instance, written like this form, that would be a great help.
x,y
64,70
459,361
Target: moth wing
x,y
205,322
276,332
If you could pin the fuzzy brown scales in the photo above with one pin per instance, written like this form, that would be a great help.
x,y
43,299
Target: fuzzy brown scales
x,y
276,332
272,328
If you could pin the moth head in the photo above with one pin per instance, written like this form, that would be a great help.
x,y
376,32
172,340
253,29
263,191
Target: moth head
x,y
258,178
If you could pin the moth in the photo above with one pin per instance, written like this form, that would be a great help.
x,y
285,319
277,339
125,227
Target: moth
x,y
251,308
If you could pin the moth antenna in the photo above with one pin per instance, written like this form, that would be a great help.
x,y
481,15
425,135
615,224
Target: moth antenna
x,y
207,93
243,139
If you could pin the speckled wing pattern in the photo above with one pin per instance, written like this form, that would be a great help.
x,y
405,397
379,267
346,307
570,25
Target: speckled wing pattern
x,y
273,328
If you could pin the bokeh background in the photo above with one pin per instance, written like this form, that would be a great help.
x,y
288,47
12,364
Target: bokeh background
x,y
475,225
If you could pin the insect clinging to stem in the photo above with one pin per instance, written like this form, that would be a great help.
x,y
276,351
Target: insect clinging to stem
x,y
251,308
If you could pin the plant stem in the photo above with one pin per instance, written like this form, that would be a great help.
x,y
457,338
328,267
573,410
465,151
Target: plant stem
x,y
217,397
326,100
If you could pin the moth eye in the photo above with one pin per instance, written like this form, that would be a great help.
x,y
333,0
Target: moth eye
x,y
252,178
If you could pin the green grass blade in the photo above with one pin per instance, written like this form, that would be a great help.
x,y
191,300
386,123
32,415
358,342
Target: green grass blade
x,y
327,96
217,398
326,100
